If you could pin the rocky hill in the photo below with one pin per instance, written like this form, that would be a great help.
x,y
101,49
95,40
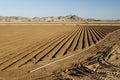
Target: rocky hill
x,y
14,19
41,19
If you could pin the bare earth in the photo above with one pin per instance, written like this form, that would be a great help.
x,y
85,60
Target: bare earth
x,y
17,37
59,51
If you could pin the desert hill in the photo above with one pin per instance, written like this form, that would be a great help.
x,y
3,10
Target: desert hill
x,y
40,19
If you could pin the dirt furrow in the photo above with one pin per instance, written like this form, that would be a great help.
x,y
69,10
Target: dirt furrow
x,y
55,50
81,39
75,42
24,55
86,40
33,58
42,55
63,50
90,37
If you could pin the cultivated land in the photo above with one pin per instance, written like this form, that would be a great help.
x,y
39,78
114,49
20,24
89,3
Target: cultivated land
x,y
59,51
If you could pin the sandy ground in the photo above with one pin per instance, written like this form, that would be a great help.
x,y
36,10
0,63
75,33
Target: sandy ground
x,y
17,37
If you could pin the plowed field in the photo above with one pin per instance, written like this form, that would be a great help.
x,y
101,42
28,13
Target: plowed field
x,y
29,45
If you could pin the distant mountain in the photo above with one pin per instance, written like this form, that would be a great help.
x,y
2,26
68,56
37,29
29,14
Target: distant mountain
x,y
14,19
70,18
73,17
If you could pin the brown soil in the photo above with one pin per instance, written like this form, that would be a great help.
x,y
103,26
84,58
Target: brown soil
x,y
17,37
54,52
102,64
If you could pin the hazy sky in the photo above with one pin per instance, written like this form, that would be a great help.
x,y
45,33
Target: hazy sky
x,y
99,9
